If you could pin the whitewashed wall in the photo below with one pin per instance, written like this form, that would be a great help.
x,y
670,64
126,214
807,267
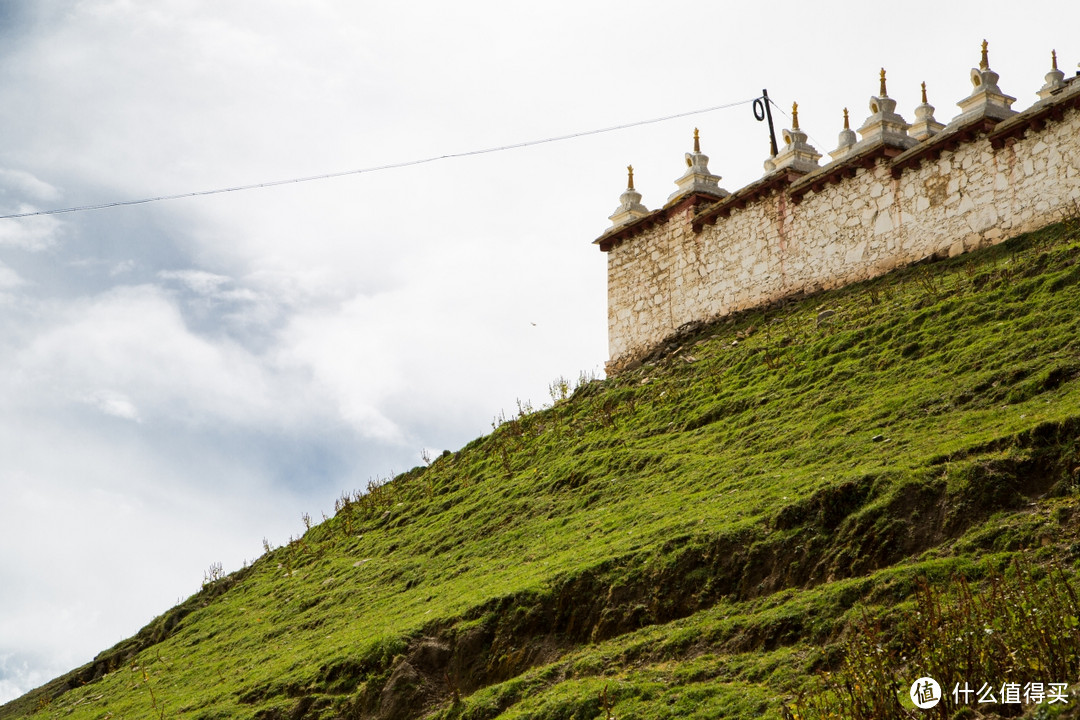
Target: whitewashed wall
x,y
859,227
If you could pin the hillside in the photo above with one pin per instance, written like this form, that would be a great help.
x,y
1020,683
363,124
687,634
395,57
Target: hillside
x,y
694,538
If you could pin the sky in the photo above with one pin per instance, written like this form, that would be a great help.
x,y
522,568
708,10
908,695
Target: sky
x,y
181,380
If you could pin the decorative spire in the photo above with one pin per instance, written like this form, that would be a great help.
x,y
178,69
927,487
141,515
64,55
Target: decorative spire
x,y
884,125
697,179
797,155
986,101
846,141
925,124
1055,79
630,207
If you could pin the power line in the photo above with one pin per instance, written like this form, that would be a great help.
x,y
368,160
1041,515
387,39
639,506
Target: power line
x,y
391,166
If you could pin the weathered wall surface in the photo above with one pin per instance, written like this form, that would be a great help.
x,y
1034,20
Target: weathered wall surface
x,y
857,227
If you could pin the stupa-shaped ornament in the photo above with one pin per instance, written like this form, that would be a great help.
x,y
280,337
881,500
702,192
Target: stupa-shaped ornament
x,y
986,99
925,126
697,179
1055,79
630,207
884,124
796,154
845,141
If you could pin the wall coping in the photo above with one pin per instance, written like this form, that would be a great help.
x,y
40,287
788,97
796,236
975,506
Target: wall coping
x,y
797,184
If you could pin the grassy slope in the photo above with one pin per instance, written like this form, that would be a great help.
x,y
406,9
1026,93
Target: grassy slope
x,y
695,535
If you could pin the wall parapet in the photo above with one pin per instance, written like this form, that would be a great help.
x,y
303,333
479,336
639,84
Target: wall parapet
x,y
885,201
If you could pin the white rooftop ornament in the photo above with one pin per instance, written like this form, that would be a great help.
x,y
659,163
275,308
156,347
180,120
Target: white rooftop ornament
x,y
884,124
846,140
986,99
925,126
697,178
630,207
796,154
1055,79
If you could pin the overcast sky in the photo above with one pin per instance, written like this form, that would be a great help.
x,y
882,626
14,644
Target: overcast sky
x,y
179,380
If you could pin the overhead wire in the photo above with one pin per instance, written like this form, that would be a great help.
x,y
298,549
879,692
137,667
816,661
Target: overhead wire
x,y
377,168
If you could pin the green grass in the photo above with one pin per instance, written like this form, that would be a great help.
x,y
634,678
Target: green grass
x,y
699,535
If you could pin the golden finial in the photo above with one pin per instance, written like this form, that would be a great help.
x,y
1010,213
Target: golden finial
x,y
794,116
697,141
924,93
881,90
846,125
1053,58
984,63
629,177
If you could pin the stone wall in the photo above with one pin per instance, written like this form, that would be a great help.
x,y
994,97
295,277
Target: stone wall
x,y
859,217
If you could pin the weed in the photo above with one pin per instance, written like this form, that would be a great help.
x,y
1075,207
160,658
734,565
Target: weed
x,y
586,377
505,461
158,706
212,575
455,694
559,389
605,703
873,292
929,282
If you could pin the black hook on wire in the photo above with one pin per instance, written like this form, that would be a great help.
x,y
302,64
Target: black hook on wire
x,y
761,112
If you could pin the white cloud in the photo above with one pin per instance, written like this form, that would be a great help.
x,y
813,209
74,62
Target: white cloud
x,y
130,348
202,282
9,279
449,346
122,268
342,349
20,671
106,534
19,183
30,233
115,404
17,187
213,286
